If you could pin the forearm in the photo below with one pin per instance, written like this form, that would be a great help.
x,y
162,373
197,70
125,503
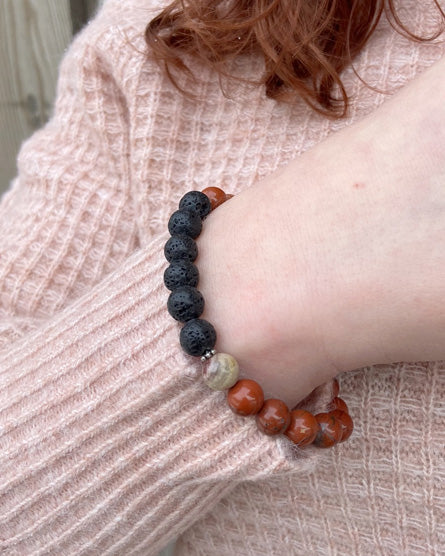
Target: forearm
x,y
337,260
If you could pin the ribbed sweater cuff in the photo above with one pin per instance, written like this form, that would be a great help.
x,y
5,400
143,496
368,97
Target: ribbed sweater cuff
x,y
106,425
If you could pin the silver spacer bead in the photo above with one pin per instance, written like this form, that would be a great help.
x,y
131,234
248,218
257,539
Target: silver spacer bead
x,y
208,354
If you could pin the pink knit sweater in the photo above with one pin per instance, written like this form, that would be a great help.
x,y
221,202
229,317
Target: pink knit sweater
x,y
110,443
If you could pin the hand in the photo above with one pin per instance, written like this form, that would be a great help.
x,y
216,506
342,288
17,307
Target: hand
x,y
337,261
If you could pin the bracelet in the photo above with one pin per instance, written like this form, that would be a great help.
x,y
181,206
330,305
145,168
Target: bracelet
x,y
198,338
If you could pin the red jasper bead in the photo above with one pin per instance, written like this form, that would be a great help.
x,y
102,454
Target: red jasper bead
x,y
216,195
338,403
246,397
303,427
346,423
330,430
273,417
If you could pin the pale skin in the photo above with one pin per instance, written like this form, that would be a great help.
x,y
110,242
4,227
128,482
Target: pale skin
x,y
337,261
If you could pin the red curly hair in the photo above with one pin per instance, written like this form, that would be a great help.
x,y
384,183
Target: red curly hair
x,y
305,43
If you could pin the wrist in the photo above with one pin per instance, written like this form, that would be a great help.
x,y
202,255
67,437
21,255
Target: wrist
x,y
337,260
252,297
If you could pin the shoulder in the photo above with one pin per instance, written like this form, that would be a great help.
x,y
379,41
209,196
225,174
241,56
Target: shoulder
x,y
114,39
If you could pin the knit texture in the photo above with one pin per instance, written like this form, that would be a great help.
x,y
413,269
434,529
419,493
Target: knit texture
x,y
110,443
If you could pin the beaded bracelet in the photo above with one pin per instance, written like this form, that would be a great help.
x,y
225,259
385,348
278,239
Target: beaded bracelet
x,y
198,338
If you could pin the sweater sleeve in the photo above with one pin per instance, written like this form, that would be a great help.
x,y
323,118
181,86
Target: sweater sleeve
x,y
110,443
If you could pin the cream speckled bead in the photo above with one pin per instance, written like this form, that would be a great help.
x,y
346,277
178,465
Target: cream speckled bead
x,y
221,372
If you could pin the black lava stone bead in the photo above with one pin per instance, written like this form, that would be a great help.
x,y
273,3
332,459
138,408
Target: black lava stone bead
x,y
185,222
197,336
196,201
180,247
181,273
185,303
